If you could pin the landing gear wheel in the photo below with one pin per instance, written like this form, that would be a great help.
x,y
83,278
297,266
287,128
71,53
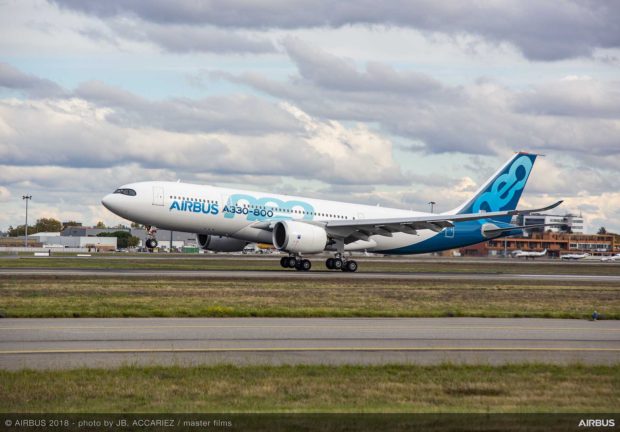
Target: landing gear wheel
x,y
337,265
151,243
284,262
329,263
350,266
292,262
303,265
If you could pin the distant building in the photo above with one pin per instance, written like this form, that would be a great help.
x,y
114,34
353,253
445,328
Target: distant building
x,y
69,223
180,239
55,240
556,244
569,223
80,231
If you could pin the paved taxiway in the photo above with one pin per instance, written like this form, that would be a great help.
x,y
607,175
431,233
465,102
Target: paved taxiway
x,y
106,342
316,274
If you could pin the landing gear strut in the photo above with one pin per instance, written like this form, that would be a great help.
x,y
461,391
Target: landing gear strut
x,y
297,263
339,263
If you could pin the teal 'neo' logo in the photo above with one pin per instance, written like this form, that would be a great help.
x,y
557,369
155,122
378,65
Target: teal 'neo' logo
x,y
259,209
195,207
505,190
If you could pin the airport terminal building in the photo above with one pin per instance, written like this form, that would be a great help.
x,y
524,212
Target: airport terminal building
x,y
569,222
556,243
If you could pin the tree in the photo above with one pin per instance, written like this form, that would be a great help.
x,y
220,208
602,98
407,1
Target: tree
x,y
136,225
100,224
124,239
132,241
42,225
19,230
46,225
602,231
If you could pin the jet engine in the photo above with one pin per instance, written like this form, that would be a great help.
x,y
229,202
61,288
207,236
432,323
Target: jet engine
x,y
220,243
299,237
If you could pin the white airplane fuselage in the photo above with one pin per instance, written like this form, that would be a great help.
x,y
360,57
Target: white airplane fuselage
x,y
229,212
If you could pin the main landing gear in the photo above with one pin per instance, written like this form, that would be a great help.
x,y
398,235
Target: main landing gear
x,y
297,263
301,264
341,264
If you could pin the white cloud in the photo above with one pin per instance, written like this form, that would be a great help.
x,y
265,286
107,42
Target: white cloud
x,y
5,194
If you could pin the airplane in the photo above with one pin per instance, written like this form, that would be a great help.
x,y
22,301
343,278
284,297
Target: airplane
x,y
527,254
226,220
574,256
611,258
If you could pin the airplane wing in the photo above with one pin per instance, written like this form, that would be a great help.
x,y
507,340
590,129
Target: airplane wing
x,y
360,229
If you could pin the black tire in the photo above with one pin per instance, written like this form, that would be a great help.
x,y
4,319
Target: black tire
x,y
292,262
284,262
151,243
350,266
306,265
338,264
329,263
298,265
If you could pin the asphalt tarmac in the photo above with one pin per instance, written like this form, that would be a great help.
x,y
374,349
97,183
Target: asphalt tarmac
x,y
109,342
313,274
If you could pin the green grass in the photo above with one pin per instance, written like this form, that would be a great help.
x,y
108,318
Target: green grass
x,y
210,262
391,388
69,296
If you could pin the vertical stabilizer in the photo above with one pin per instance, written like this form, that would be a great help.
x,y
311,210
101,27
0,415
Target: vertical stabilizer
x,y
503,190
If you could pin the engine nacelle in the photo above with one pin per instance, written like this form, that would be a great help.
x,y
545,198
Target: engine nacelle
x,y
220,243
299,237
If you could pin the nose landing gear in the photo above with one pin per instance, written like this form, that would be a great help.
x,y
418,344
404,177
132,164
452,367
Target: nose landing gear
x,y
151,241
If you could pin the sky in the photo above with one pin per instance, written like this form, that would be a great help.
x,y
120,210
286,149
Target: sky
x,y
393,105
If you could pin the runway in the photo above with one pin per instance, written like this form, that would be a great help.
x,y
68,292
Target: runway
x,y
68,343
314,274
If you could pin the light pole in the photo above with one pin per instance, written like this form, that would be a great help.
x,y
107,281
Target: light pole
x,y
432,203
27,198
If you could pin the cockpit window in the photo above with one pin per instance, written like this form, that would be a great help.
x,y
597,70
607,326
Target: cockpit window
x,y
129,192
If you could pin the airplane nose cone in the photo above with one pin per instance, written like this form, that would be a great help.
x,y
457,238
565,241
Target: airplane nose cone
x,y
107,201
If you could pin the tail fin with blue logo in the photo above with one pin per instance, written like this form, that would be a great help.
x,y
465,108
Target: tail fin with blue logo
x,y
503,190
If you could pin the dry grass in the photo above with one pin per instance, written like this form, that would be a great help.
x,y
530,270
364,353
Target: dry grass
x,y
392,388
44,296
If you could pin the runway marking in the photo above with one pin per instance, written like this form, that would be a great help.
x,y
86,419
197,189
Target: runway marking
x,y
301,349
315,327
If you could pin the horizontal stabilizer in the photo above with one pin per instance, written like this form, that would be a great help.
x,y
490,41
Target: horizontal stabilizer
x,y
492,232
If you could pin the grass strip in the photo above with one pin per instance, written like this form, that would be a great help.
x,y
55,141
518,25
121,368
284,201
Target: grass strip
x,y
369,389
74,296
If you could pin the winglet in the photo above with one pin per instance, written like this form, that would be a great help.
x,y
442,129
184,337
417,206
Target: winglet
x,y
542,209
